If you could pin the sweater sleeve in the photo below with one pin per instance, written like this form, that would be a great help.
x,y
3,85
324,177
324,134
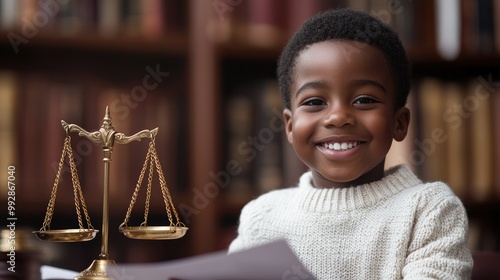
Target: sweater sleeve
x,y
248,227
438,249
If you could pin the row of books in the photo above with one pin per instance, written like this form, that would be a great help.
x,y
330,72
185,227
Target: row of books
x,y
270,23
259,22
454,27
32,136
458,135
449,28
146,18
467,28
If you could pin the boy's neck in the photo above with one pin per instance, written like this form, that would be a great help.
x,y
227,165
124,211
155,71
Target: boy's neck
x,y
375,174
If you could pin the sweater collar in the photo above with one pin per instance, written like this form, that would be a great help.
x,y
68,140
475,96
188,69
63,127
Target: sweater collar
x,y
313,199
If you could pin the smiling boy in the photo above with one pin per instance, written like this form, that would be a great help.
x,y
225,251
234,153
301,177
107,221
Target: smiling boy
x,y
344,78
342,115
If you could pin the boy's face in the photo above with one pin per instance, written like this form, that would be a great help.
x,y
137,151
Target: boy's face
x,y
342,119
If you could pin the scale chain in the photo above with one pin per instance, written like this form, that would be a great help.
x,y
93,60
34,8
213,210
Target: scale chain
x,y
50,206
77,190
164,189
152,159
136,191
148,191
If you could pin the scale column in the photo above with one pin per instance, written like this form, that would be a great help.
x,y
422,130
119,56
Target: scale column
x,y
105,213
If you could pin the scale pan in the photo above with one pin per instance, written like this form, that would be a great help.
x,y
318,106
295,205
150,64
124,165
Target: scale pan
x,y
154,232
66,235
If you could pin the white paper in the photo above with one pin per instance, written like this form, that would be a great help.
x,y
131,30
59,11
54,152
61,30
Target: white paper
x,y
273,261
54,273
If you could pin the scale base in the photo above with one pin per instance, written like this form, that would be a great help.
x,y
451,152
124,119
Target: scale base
x,y
96,271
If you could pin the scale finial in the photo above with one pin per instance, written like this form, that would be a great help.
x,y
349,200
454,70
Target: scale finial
x,y
106,115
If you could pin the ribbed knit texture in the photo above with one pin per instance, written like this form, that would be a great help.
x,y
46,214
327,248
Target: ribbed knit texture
x,y
394,228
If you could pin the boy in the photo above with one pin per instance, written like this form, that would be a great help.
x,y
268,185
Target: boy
x,y
344,77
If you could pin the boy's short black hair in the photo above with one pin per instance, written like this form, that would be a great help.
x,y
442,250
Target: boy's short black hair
x,y
346,24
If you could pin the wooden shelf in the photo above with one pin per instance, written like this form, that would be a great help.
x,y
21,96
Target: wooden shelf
x,y
169,44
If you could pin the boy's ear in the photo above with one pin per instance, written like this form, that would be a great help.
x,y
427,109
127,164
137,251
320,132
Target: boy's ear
x,y
401,123
287,117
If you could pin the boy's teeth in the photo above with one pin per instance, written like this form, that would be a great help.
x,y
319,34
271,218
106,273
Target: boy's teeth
x,y
340,146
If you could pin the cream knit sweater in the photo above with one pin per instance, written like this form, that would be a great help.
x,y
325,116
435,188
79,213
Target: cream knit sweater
x,y
394,228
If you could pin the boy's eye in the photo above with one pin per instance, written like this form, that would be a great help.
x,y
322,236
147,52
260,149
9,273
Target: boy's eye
x,y
365,100
314,102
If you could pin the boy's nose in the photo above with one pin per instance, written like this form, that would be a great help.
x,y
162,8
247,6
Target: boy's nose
x,y
339,116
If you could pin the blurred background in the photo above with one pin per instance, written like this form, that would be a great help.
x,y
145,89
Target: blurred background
x,y
204,73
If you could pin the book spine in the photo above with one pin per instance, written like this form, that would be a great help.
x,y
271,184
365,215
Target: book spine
x,y
481,164
457,130
266,23
496,131
430,153
448,28
8,140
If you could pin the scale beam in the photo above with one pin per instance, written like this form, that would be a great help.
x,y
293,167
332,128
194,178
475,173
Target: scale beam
x,y
106,135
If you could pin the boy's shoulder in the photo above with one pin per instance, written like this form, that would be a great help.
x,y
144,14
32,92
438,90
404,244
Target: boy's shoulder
x,y
404,175
432,194
278,194
438,188
274,197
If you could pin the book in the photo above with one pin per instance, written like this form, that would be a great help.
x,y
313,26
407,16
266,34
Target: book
x,y
468,32
457,131
485,24
152,14
496,27
496,130
9,83
265,24
298,12
269,131
429,155
239,126
108,17
404,21
448,28
131,17
478,104
33,137
9,13
256,135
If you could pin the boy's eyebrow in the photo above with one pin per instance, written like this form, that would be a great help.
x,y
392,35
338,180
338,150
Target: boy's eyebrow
x,y
367,82
354,83
312,85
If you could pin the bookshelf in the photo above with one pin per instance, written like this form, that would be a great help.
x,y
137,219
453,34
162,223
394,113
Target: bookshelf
x,y
212,83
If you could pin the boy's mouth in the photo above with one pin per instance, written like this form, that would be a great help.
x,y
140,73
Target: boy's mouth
x,y
340,146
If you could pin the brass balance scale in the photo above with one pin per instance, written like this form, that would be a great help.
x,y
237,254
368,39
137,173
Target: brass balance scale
x,y
107,136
